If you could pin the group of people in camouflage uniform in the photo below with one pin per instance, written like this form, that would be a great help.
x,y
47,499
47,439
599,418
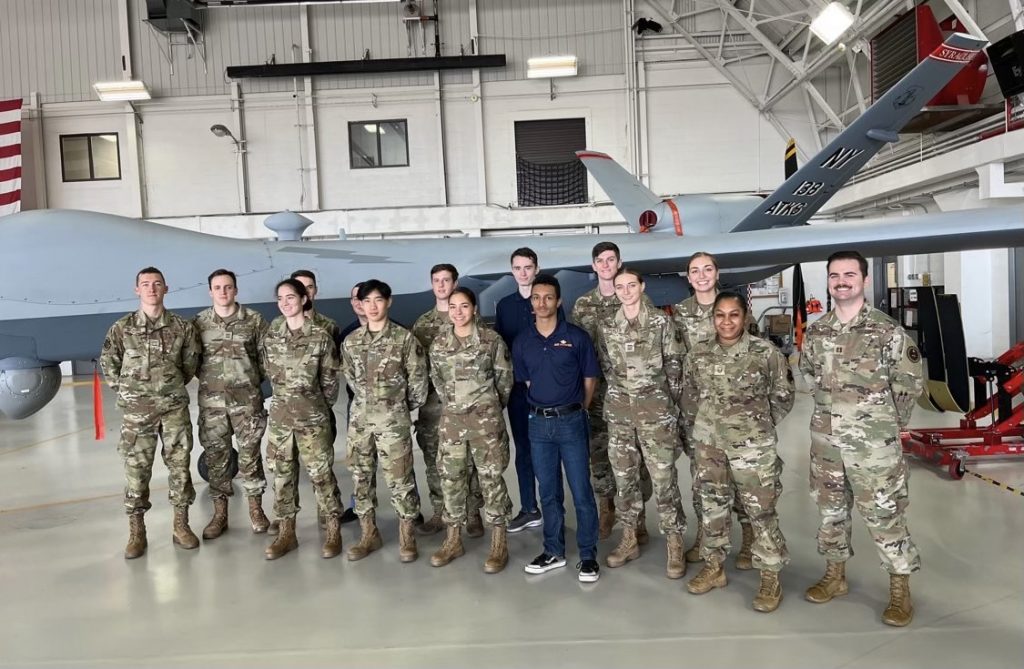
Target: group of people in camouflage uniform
x,y
696,382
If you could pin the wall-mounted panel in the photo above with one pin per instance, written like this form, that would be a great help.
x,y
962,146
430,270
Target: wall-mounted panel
x,y
57,48
591,30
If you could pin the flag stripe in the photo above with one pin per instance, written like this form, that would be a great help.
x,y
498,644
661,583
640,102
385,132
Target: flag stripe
x,y
10,156
8,174
10,105
10,151
10,198
9,127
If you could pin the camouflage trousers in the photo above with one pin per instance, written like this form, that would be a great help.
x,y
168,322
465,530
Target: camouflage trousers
x,y
272,457
311,444
392,445
427,422
137,447
698,512
874,477
747,474
468,456
247,424
632,448
601,475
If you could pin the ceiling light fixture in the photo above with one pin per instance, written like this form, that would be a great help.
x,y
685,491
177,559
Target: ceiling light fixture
x,y
832,22
546,67
121,91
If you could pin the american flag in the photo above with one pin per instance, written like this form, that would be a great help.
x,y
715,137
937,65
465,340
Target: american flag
x,y
10,157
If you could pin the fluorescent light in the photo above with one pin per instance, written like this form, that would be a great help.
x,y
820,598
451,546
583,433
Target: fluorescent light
x,y
119,91
832,22
546,67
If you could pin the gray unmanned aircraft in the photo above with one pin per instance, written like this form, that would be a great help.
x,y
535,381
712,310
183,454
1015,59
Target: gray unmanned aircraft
x,y
65,276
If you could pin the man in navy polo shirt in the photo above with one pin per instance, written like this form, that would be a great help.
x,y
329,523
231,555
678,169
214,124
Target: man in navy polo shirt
x,y
514,314
557,363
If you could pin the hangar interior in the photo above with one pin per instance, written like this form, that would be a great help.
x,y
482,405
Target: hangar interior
x,y
690,96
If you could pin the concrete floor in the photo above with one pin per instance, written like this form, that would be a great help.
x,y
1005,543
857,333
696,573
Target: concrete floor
x,y
69,597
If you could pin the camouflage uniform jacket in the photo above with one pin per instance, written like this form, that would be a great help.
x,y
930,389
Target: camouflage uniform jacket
x,y
642,362
230,371
427,327
474,374
327,323
387,371
865,375
303,369
149,362
738,394
593,308
696,322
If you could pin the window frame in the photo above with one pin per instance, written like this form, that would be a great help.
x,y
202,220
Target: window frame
x,y
92,166
351,161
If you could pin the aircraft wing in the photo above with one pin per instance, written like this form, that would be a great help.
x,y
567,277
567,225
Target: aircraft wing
x,y
800,197
747,251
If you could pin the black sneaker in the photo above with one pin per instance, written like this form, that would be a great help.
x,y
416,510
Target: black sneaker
x,y
544,563
589,571
524,520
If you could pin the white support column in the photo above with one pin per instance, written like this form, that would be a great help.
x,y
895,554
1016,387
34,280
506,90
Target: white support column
x,y
478,104
442,154
39,159
310,172
133,139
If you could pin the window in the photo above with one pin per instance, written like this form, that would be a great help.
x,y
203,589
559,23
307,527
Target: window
x,y
90,157
547,170
378,144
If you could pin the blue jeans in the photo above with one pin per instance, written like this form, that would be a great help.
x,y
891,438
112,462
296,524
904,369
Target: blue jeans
x,y
518,413
557,443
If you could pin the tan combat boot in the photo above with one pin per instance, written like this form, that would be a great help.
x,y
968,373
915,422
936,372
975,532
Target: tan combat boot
x,y
693,555
642,537
332,538
407,540
745,558
832,584
769,594
136,537
432,526
605,516
450,549
676,565
369,542
475,526
183,534
626,550
257,518
219,523
900,611
274,527
498,557
285,542
710,577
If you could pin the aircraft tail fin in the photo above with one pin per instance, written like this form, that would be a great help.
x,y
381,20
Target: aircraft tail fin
x,y
631,197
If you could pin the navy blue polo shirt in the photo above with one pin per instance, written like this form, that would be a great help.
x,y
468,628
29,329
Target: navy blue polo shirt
x,y
514,314
555,366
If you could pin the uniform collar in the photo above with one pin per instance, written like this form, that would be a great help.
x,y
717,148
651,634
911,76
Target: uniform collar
x,y
162,321
741,347
372,336
642,317
560,330
832,319
474,334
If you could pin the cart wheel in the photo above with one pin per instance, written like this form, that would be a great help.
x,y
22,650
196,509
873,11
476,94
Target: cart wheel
x,y
204,471
957,470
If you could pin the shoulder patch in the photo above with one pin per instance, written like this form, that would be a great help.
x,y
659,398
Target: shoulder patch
x,y
913,354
